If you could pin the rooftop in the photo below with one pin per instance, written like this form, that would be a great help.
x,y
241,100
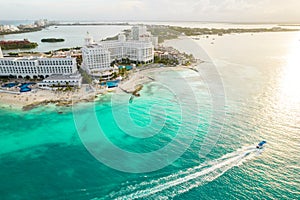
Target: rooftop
x,y
34,58
63,77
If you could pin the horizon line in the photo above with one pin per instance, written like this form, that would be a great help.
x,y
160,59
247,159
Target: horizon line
x,y
198,21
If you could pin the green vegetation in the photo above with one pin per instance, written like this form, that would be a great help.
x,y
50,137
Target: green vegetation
x,y
69,49
94,24
111,38
24,30
9,46
29,52
165,61
125,61
115,75
289,25
188,63
13,54
173,32
116,37
163,33
48,53
66,88
122,71
63,50
214,31
52,40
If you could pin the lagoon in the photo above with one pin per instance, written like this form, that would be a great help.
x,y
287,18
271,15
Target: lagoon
x,y
73,36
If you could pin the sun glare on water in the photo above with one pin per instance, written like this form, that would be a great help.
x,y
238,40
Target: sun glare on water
x,y
290,79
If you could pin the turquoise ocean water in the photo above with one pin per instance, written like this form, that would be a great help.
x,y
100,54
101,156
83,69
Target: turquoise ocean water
x,y
42,155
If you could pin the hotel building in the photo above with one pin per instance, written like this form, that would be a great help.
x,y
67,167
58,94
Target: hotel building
x,y
97,57
140,33
36,67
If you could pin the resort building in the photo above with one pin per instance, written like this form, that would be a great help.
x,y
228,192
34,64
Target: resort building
x,y
40,67
140,33
135,50
97,57
58,80
154,41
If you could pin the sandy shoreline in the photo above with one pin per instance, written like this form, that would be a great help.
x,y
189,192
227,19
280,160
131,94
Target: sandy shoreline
x,y
143,76
29,100
86,93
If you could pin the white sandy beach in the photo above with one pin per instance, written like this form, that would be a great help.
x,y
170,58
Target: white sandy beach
x,y
84,94
39,96
142,76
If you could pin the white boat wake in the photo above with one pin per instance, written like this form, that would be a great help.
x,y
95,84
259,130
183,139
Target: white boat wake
x,y
183,181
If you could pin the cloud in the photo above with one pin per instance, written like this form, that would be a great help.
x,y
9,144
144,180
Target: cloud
x,y
184,10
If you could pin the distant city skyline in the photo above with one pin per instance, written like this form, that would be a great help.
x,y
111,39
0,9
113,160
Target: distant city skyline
x,y
153,10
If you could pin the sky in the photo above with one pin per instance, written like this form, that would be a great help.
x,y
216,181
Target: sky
x,y
153,10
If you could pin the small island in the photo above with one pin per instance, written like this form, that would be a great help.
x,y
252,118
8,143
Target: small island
x,y
17,44
52,40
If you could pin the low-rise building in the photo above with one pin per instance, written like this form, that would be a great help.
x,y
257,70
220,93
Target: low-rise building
x,y
61,80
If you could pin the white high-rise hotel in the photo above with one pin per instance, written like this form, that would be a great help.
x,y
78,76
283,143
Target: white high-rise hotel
x,y
97,57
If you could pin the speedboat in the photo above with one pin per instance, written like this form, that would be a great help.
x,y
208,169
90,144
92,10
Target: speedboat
x,y
261,144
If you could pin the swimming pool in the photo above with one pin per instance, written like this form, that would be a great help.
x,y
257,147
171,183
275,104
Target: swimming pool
x,y
111,84
25,87
128,67
10,85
